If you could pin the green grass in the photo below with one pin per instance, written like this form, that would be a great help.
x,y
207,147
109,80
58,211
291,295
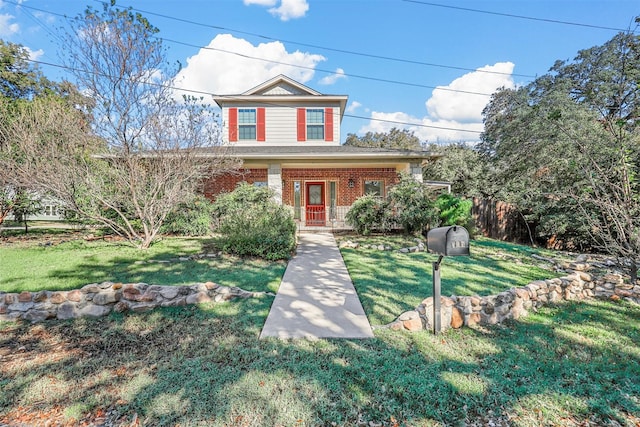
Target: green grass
x,y
61,263
568,365
389,282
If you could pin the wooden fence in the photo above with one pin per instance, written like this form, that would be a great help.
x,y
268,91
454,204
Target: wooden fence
x,y
499,220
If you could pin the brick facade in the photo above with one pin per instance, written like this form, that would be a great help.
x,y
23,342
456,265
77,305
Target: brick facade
x,y
228,182
346,194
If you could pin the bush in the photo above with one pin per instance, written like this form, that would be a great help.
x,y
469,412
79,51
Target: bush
x,y
453,210
250,223
192,218
413,205
369,213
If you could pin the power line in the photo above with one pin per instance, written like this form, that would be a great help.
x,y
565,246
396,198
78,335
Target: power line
x,y
232,97
357,76
331,49
511,15
293,42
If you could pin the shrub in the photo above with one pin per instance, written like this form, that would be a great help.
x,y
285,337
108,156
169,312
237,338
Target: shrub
x,y
453,210
368,213
412,204
251,223
192,218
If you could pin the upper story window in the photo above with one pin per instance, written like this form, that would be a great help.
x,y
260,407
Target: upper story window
x,y
315,124
247,123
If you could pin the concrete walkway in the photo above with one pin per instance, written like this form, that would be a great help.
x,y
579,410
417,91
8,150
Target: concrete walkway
x,y
316,298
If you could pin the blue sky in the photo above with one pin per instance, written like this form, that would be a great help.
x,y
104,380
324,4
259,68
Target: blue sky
x,y
386,55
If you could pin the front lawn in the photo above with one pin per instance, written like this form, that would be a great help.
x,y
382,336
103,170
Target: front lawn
x,y
63,262
569,365
390,282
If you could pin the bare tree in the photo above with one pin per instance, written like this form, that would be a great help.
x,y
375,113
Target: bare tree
x,y
150,154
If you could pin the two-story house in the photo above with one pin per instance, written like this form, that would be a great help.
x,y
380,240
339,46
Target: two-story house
x,y
288,137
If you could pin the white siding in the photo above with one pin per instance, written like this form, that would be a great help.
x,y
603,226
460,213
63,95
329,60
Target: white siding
x,y
281,124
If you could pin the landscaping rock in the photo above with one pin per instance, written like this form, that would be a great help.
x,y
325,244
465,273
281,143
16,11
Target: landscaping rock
x,y
67,310
517,302
93,310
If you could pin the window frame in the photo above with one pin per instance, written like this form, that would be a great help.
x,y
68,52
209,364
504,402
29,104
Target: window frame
x,y
252,127
313,126
382,187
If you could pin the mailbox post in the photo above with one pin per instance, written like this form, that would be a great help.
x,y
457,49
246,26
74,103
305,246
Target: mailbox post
x,y
445,241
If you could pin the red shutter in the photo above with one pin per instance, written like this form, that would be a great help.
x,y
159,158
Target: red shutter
x,y
260,133
328,124
233,124
302,125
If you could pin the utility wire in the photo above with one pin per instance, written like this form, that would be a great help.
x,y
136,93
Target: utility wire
x,y
511,15
357,76
331,49
293,42
232,97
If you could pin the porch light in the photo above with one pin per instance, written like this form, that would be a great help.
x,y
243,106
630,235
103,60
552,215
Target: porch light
x,y
352,183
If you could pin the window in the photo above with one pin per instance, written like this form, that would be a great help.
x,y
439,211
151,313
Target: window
x,y
315,124
374,187
332,200
297,190
246,123
260,184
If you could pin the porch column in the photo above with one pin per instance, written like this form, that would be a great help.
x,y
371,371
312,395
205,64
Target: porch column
x,y
415,169
274,180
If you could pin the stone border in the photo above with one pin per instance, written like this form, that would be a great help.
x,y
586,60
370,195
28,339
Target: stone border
x,y
419,247
458,311
99,299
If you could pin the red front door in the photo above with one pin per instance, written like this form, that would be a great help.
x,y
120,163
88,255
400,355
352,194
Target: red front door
x,y
315,206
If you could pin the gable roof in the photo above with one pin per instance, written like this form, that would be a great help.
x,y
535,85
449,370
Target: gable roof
x,y
281,89
285,84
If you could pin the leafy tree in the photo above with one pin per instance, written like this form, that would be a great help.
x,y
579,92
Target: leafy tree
x,y
413,205
566,148
462,166
453,210
394,139
19,78
26,203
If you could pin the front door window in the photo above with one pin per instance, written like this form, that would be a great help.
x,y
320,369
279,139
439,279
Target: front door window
x,y
315,206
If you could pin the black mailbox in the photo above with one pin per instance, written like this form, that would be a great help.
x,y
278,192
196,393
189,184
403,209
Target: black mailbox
x,y
448,241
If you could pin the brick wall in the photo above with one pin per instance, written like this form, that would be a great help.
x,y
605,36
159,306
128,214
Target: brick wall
x,y
346,195
227,182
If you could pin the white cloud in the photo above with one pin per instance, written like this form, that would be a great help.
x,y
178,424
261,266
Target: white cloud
x,y
231,65
353,107
260,2
329,80
34,55
7,27
288,9
450,113
467,107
